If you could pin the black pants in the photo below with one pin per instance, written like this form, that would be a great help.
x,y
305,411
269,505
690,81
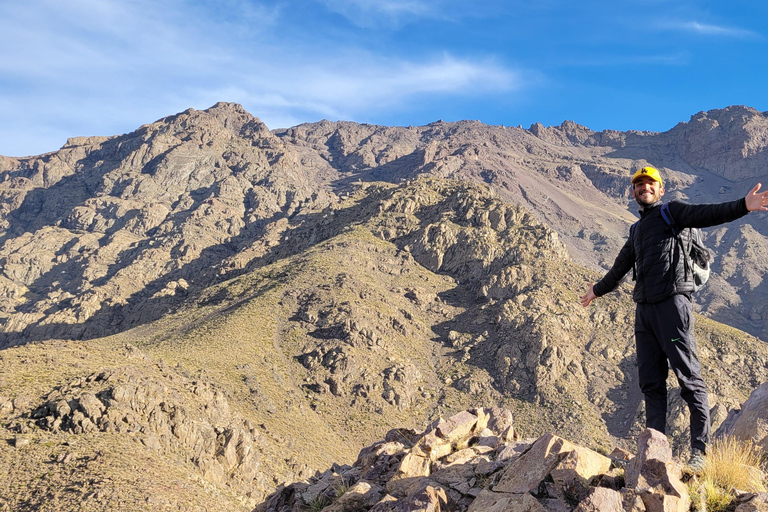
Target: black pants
x,y
664,332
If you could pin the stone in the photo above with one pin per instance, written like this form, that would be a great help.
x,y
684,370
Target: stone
x,y
459,427
454,474
500,421
428,498
660,489
651,444
600,499
360,496
433,447
491,501
555,505
403,487
579,467
750,423
387,504
620,454
527,472
631,501
512,450
753,503
460,457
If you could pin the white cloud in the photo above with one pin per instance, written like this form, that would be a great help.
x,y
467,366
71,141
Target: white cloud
x,y
705,29
377,13
103,67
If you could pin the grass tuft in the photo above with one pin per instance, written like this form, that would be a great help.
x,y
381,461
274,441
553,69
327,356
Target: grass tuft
x,y
734,464
731,464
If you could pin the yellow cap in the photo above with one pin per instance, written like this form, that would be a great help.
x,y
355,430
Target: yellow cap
x,y
651,172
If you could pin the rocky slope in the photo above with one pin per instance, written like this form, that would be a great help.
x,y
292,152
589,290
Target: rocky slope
x,y
388,309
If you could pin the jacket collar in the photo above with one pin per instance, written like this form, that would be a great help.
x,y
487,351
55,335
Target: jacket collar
x,y
644,210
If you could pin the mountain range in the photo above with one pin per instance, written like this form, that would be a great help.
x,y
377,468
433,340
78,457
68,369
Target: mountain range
x,y
235,308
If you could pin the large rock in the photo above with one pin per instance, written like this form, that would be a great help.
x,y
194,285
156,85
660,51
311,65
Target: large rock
x,y
526,473
579,467
750,423
654,475
651,444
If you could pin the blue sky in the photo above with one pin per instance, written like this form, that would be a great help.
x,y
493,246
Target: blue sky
x,y
105,67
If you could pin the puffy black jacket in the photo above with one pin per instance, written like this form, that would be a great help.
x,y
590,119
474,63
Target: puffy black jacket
x,y
655,253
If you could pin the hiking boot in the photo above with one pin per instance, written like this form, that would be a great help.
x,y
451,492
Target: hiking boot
x,y
696,462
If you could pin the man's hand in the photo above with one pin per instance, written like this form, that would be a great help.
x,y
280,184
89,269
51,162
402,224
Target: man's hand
x,y
589,297
756,201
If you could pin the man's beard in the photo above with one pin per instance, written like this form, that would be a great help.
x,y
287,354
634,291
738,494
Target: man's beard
x,y
653,200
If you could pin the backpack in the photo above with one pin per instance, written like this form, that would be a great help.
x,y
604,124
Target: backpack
x,y
697,255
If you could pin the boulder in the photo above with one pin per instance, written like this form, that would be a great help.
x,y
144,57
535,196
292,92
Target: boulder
x,y
750,423
579,467
651,444
660,489
526,473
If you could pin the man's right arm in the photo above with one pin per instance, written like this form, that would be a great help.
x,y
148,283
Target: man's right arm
x,y
623,264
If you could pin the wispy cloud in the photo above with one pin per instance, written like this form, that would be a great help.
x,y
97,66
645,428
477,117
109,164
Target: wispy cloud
x,y
378,13
706,29
94,66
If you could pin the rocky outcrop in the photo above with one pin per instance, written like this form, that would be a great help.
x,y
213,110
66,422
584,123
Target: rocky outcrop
x,y
223,446
474,462
750,422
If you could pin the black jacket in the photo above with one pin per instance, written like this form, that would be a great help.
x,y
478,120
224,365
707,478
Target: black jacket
x,y
655,254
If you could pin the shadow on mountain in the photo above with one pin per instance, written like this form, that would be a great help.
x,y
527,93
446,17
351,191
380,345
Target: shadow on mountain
x,y
43,207
305,231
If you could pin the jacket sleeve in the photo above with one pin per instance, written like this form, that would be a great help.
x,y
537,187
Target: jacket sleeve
x,y
623,264
706,215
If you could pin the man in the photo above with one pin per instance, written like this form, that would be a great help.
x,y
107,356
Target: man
x,y
663,288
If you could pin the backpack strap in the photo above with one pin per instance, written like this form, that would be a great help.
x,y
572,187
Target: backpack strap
x,y
632,241
667,216
670,220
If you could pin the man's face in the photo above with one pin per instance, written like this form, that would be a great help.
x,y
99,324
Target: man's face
x,y
647,191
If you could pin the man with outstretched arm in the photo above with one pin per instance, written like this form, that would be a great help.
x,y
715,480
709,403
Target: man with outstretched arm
x,y
663,289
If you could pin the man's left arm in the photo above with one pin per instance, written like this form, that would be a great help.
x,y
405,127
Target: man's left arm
x,y
706,215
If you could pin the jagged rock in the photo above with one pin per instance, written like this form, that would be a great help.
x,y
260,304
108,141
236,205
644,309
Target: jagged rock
x,y
387,504
222,445
651,444
526,473
750,423
427,497
654,476
579,467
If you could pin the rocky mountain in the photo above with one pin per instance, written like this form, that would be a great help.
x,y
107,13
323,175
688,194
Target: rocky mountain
x,y
233,309
91,232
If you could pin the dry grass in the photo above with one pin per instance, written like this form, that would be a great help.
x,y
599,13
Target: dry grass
x,y
731,464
